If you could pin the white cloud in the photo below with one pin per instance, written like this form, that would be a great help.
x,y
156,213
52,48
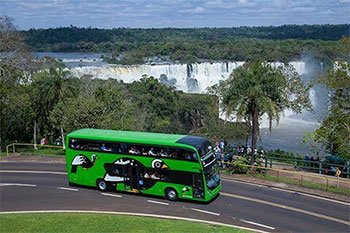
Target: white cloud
x,y
246,3
196,10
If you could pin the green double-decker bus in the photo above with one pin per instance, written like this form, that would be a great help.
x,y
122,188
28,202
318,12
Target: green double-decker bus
x,y
169,165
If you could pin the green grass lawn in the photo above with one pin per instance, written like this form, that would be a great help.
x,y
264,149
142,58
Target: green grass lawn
x,y
40,151
45,151
75,222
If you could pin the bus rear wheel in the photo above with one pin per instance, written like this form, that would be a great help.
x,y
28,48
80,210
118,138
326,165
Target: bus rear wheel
x,y
102,185
171,194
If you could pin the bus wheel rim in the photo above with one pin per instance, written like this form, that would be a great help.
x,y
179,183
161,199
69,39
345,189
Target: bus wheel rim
x,y
102,185
172,194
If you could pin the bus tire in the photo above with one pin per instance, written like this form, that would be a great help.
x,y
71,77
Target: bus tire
x,y
171,194
102,185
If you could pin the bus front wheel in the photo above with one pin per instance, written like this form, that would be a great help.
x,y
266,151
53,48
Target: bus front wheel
x,y
102,185
171,194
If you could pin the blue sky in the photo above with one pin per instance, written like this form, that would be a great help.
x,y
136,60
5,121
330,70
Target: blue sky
x,y
173,13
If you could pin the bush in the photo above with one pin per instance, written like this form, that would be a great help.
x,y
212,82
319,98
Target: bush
x,y
239,166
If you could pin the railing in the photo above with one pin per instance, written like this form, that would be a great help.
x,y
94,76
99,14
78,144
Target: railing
x,y
309,165
32,149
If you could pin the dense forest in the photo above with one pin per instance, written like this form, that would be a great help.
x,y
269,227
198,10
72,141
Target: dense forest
x,y
188,45
41,95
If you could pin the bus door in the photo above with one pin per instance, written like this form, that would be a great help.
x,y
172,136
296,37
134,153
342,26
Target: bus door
x,y
198,187
131,181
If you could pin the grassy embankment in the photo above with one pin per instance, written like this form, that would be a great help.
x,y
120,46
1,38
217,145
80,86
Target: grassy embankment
x,y
305,183
74,222
39,151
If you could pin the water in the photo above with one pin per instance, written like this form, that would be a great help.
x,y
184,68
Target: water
x,y
75,59
195,78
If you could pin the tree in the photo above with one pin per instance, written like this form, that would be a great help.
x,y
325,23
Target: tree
x,y
15,70
334,132
257,88
103,106
49,87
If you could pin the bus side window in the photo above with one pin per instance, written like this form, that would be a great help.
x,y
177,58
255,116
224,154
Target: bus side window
x,y
116,147
133,150
163,152
83,145
143,151
95,146
188,155
123,148
106,147
152,151
74,143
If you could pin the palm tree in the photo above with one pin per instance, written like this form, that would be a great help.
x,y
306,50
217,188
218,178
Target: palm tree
x,y
257,88
50,87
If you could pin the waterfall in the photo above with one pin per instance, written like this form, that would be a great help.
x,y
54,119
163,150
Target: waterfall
x,y
193,78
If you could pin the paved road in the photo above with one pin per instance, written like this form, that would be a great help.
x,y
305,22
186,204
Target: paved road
x,y
23,186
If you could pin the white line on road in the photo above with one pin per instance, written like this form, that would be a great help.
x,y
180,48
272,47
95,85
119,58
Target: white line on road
x,y
111,195
204,211
287,208
69,189
35,172
17,184
158,202
289,191
313,196
242,182
258,224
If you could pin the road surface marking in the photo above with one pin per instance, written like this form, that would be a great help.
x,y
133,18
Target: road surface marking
x,y
34,172
69,189
287,208
134,214
242,182
158,202
204,211
258,224
289,191
310,195
17,184
111,195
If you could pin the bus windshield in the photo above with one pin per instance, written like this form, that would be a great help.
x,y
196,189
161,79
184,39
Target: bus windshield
x,y
211,170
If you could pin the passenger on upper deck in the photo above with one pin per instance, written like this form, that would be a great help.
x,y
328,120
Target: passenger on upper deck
x,y
151,152
163,153
133,150
105,148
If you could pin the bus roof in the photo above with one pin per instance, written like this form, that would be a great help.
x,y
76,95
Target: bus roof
x,y
139,137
